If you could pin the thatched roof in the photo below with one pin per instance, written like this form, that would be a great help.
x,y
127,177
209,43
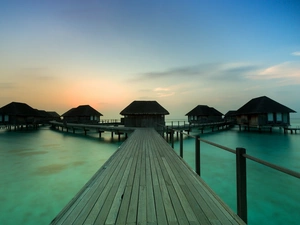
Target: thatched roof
x,y
230,113
18,109
42,113
263,105
144,108
204,110
53,114
82,110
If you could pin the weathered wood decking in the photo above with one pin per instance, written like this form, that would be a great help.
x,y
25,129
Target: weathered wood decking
x,y
146,182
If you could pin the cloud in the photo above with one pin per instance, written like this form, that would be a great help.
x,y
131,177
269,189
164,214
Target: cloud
x,y
296,53
163,92
207,71
286,73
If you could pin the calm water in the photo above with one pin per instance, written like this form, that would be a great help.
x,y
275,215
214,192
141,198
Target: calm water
x,y
40,171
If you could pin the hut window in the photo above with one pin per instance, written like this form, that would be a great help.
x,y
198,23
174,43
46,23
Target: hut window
x,y
6,118
92,118
0,118
278,117
270,116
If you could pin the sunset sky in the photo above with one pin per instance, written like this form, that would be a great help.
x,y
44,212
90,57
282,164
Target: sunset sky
x,y
58,54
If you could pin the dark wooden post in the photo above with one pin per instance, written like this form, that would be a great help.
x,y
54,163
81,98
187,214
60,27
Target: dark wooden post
x,y
167,133
197,155
172,138
181,145
241,184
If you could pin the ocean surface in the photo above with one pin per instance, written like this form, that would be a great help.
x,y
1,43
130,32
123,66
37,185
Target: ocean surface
x,y
41,170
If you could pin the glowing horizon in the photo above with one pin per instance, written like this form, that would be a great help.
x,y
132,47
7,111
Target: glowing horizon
x,y
56,56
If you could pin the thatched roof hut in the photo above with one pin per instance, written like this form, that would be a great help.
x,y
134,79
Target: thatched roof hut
x,y
262,111
17,113
82,114
144,114
204,114
53,116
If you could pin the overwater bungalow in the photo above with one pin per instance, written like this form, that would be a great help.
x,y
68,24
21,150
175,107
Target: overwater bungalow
x,y
230,116
18,114
144,114
43,117
204,114
82,114
263,112
52,115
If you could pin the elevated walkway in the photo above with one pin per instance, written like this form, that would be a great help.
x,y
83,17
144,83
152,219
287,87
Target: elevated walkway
x,y
146,182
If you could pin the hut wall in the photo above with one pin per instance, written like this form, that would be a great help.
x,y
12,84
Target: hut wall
x,y
82,119
271,119
204,119
144,120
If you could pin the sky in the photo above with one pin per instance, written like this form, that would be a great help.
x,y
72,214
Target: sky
x,y
59,54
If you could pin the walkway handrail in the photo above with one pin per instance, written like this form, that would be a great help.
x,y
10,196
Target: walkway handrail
x,y
241,157
273,166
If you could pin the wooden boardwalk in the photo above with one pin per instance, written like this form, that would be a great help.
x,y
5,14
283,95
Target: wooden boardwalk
x,y
146,182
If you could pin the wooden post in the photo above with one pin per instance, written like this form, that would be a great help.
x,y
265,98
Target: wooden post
x,y
241,184
197,155
167,134
181,145
172,138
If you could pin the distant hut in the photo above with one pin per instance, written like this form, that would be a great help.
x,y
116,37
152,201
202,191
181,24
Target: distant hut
x,y
43,117
53,116
18,114
82,114
263,111
144,114
230,116
204,114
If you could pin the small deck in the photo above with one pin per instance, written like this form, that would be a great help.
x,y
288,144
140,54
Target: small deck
x,y
291,129
146,182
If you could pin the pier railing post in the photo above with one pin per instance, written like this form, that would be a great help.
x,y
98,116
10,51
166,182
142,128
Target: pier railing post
x,y
167,133
197,155
241,184
181,144
172,138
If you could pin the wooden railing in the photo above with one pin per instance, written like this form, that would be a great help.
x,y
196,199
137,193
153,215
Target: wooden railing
x,y
241,173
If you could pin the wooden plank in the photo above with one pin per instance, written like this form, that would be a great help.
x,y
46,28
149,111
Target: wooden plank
x,y
181,196
97,201
113,213
170,213
207,199
128,190
159,206
84,195
146,182
133,206
151,212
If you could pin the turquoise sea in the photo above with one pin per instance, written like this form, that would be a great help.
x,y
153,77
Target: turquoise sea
x,y
41,170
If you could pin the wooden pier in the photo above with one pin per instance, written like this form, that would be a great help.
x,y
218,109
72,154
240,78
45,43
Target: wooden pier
x,y
291,129
100,128
146,182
